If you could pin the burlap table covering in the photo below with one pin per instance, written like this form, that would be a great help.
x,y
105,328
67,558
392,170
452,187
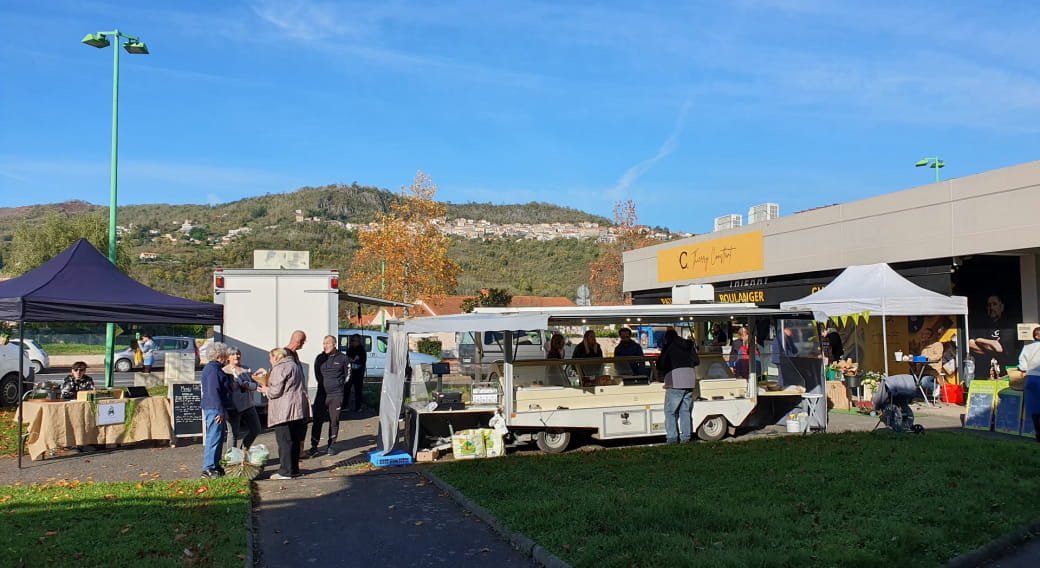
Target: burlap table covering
x,y
56,425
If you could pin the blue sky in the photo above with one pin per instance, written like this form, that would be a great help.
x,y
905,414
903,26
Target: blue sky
x,y
691,109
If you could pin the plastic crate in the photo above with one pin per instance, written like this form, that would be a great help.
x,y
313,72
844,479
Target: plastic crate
x,y
395,457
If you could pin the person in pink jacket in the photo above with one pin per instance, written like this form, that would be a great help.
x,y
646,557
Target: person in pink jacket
x,y
288,411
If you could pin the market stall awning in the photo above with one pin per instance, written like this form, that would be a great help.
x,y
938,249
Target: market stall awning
x,y
876,289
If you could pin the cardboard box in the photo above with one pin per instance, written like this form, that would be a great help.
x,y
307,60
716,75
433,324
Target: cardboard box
x,y
103,394
423,456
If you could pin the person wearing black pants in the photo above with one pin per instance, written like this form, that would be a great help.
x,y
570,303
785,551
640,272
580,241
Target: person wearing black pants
x,y
287,411
330,369
358,360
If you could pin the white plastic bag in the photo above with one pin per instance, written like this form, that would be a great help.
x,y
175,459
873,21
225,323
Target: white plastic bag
x,y
257,455
233,455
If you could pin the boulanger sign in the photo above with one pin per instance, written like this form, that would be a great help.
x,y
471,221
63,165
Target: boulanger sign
x,y
727,255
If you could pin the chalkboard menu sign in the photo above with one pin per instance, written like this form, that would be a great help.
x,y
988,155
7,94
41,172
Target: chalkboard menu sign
x,y
1009,412
981,401
187,409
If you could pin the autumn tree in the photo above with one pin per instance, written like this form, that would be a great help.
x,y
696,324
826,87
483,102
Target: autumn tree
x,y
37,241
606,274
406,256
488,297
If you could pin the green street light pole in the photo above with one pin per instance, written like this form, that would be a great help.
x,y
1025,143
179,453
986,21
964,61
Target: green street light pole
x,y
136,46
931,163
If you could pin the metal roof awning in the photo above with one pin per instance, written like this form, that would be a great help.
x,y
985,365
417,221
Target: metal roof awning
x,y
664,313
372,301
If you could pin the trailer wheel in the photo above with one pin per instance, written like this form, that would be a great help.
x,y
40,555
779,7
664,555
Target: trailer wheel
x,y
552,441
713,428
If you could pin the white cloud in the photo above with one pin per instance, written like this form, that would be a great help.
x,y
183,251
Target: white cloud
x,y
635,172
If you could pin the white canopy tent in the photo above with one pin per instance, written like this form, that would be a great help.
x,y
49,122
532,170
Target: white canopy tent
x,y
876,289
392,395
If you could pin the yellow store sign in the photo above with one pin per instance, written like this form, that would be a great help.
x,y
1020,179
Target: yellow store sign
x,y
728,255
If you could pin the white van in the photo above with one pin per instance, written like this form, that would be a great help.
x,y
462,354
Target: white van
x,y
531,344
375,351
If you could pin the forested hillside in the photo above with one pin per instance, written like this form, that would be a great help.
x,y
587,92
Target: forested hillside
x,y
184,263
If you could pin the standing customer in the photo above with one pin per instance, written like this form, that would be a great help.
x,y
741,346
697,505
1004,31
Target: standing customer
x,y
242,412
358,367
1029,362
287,411
216,400
677,361
147,347
330,368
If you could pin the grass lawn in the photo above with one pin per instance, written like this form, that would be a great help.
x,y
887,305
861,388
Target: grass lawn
x,y
8,433
79,348
156,523
856,499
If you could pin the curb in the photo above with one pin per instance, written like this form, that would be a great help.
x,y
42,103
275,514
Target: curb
x,y
998,549
518,540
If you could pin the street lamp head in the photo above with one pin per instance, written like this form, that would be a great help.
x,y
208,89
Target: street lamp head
x,y
938,164
137,47
920,163
96,40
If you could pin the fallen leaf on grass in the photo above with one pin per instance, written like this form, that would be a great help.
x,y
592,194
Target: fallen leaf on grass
x,y
179,537
50,533
111,496
125,530
202,489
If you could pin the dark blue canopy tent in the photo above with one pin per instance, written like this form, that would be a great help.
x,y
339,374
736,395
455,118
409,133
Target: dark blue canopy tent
x,y
82,285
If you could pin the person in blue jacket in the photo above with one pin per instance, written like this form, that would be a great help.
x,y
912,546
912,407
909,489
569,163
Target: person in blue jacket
x,y
216,400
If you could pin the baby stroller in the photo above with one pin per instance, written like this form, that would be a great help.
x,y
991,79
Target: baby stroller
x,y
893,401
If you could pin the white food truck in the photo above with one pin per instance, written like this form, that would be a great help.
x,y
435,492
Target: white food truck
x,y
550,401
262,307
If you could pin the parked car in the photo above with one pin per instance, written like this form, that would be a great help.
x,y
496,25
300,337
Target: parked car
x,y
9,374
39,358
123,361
375,343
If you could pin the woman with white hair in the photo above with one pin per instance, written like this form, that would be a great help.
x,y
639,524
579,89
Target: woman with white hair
x,y
287,411
216,400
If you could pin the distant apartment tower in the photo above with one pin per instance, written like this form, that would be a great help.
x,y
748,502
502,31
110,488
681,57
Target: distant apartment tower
x,y
764,212
728,222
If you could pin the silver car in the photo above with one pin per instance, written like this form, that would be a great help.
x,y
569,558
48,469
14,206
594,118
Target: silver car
x,y
123,361
40,359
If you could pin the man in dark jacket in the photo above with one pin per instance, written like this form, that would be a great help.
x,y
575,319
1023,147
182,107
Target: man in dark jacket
x,y
676,364
358,362
330,368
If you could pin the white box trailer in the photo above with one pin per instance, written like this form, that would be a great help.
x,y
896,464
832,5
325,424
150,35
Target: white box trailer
x,y
262,307
545,400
